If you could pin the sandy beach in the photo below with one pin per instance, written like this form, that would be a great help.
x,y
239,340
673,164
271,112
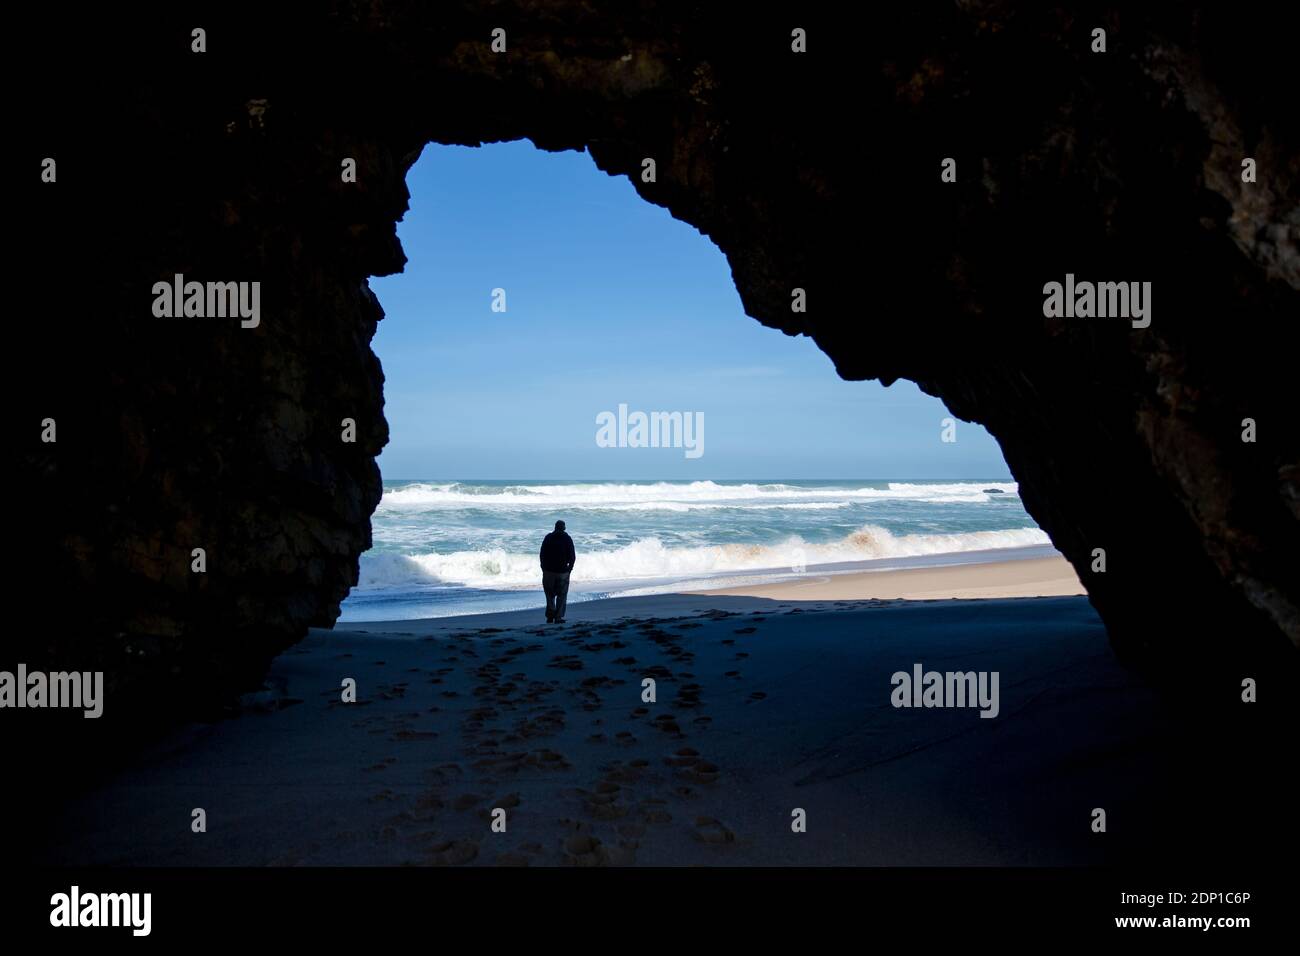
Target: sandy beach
x,y
768,709
1031,577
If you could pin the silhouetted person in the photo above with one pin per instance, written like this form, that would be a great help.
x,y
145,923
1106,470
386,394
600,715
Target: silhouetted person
x,y
557,561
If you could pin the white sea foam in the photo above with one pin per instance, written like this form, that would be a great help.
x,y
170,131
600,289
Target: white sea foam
x,y
676,496
648,558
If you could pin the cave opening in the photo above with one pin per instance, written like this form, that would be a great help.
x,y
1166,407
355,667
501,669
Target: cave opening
x,y
554,349
178,435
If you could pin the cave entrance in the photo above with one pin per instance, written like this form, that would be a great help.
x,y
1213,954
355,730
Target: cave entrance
x,y
558,348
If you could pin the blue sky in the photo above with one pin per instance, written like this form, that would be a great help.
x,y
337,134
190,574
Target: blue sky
x,y
610,300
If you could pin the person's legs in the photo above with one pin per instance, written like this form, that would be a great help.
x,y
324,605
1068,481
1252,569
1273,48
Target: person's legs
x,y
561,595
548,586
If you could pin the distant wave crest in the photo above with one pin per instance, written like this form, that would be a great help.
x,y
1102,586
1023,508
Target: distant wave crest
x,y
675,496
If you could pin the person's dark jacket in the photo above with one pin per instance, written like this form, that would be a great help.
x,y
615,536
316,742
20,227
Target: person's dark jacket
x,y
557,552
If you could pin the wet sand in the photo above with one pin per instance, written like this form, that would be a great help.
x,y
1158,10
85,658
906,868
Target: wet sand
x,y
765,712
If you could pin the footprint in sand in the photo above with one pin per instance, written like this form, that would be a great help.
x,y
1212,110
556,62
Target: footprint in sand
x,y
604,803
453,853
617,773
589,851
504,763
700,771
652,811
709,830
688,696
683,758
446,771
581,844
430,801
512,859
667,724
547,760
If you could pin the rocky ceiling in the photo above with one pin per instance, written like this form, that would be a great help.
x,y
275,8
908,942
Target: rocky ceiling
x,y
816,170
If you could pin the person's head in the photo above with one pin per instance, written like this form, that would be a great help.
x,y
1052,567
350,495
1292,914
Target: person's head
x,y
559,526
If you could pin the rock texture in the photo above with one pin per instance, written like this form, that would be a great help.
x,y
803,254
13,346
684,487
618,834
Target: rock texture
x,y
817,171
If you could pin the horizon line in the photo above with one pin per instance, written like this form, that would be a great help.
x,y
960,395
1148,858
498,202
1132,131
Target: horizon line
x,y
745,478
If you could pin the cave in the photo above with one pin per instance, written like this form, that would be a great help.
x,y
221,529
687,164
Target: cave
x,y
817,171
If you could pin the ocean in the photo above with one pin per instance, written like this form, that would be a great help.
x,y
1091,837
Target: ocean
x,y
444,548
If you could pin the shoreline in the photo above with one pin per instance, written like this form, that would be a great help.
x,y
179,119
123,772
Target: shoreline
x,y
1011,575
1022,577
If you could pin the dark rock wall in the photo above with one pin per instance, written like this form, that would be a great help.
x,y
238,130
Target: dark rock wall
x,y
818,171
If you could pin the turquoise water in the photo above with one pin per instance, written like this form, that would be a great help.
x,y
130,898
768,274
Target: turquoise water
x,y
445,547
